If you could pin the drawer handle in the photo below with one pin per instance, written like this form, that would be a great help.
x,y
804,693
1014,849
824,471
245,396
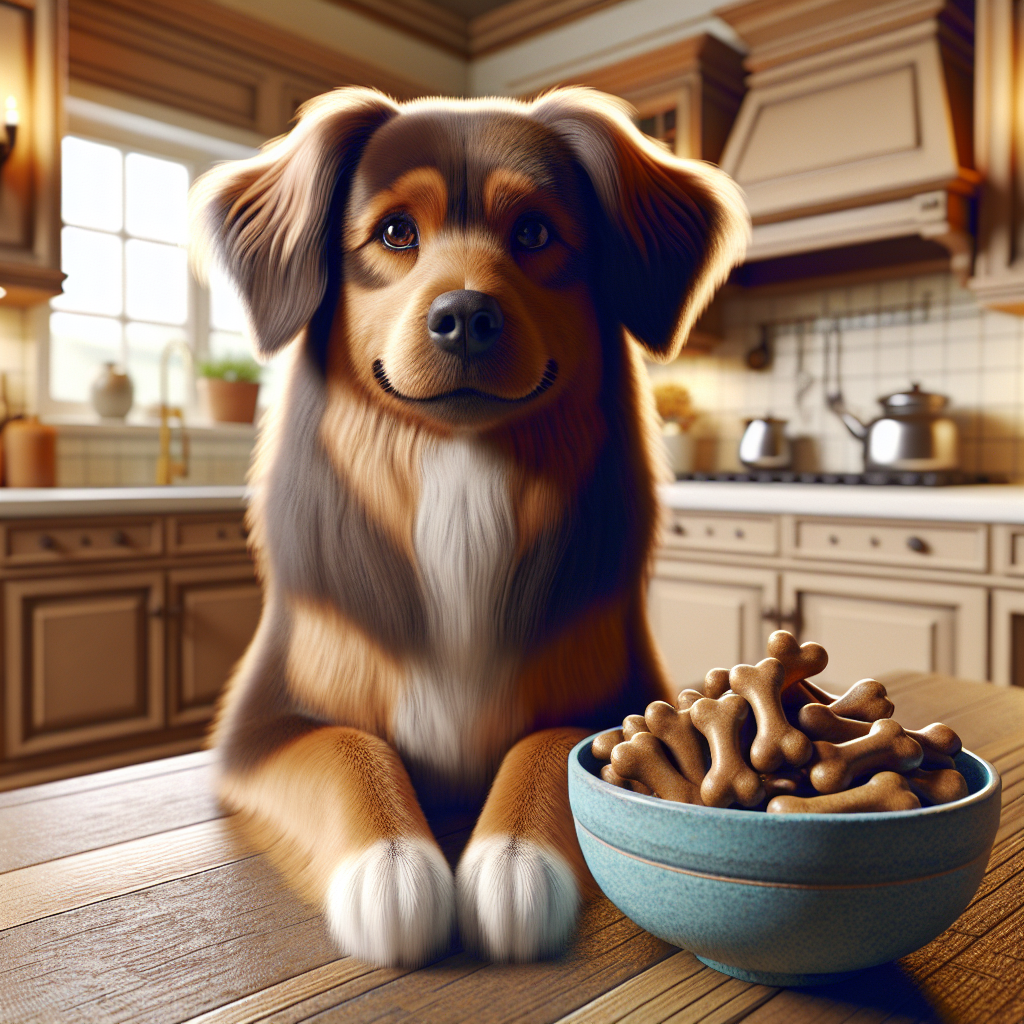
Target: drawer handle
x,y
740,534
679,529
46,542
918,545
833,539
120,538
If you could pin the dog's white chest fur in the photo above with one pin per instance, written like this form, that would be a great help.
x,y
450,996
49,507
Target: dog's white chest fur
x,y
464,541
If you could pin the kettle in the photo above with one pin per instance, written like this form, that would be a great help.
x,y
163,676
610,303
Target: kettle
x,y
913,434
764,444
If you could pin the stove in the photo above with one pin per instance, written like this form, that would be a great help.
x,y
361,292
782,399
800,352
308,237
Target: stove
x,y
874,478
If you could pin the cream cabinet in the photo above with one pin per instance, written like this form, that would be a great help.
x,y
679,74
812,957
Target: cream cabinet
x,y
118,636
881,595
704,616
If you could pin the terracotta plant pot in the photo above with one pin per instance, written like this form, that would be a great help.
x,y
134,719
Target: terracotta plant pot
x,y
229,401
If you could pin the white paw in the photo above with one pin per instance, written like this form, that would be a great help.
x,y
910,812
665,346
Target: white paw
x,y
393,905
517,900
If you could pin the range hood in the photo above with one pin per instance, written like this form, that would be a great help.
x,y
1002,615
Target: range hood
x,y
855,132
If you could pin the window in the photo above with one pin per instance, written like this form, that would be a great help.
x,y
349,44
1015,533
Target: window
x,y
661,126
129,290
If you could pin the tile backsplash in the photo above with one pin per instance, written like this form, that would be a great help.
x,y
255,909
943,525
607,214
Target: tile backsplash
x,y
892,333
126,456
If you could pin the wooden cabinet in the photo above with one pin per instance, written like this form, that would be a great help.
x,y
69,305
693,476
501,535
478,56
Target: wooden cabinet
x,y
706,616
211,615
871,626
118,635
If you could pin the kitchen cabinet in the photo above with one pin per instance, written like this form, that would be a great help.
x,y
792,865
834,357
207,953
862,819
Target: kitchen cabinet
x,y
118,636
881,594
708,616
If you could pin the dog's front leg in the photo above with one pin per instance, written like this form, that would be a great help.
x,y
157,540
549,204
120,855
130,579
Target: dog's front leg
x,y
337,812
522,875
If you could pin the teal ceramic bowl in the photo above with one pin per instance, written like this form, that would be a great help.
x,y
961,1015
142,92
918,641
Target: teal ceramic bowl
x,y
786,899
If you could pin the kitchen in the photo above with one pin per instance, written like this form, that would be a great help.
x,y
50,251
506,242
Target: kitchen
x,y
879,155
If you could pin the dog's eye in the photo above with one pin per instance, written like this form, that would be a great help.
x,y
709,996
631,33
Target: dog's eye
x,y
531,233
399,233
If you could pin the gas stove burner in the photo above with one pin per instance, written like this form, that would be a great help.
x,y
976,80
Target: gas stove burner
x,y
875,478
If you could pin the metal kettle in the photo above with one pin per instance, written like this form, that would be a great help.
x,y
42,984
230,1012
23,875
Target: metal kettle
x,y
913,433
764,444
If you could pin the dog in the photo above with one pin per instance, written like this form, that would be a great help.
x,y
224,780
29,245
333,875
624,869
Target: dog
x,y
455,502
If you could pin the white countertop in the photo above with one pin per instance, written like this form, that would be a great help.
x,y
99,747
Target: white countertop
x,y
983,503
25,502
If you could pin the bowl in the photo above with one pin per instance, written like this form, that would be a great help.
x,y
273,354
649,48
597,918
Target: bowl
x,y
786,899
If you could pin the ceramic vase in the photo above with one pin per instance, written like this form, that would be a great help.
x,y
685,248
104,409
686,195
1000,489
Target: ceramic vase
x,y
112,392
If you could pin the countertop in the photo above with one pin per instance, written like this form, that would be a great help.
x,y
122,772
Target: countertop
x,y
46,502
125,896
981,503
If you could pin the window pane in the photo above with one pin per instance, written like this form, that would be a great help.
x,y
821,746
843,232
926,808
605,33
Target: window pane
x,y
92,262
226,311
156,282
90,184
145,343
79,345
156,194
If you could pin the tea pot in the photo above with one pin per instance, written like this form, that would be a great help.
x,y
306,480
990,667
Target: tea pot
x,y
764,444
913,434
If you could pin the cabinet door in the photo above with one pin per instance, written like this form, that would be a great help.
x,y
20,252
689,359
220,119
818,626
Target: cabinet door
x,y
872,626
84,659
1008,637
212,614
703,616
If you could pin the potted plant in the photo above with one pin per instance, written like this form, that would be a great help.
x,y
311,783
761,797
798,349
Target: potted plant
x,y
677,416
229,387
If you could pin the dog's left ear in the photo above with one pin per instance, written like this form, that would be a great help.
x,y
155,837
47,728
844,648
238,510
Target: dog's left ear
x,y
266,219
676,227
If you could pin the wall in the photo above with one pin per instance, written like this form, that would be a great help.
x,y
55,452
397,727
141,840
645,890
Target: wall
x,y
925,329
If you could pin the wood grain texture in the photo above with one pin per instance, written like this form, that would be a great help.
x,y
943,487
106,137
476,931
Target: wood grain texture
x,y
121,923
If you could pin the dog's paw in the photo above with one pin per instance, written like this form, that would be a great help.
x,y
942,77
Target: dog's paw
x,y
517,900
393,905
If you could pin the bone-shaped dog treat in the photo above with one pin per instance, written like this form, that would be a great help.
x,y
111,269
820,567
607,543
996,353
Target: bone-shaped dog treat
x,y
866,701
678,733
938,742
716,682
643,759
687,698
609,774
886,791
631,725
886,747
729,779
800,660
601,748
776,740
938,787
787,783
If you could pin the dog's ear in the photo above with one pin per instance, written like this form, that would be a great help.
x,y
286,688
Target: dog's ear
x,y
675,227
265,219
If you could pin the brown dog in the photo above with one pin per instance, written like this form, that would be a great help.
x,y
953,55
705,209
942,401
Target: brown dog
x,y
455,504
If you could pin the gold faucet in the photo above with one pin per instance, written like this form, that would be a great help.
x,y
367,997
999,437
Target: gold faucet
x,y
166,467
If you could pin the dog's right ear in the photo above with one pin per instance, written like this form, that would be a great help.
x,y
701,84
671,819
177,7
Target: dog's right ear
x,y
265,219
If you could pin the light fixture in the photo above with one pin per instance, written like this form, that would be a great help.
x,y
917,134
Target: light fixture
x,y
11,128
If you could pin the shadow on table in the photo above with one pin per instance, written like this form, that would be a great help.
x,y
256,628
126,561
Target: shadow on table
x,y
886,988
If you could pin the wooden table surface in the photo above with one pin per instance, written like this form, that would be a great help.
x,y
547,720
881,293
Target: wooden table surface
x,y
125,897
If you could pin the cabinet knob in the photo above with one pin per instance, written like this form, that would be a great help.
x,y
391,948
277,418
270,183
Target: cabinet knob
x,y
222,534
120,538
918,545
46,542
679,529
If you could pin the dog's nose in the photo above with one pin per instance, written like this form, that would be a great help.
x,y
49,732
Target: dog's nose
x,y
464,322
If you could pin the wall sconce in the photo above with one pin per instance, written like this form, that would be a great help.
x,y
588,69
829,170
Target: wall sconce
x,y
10,128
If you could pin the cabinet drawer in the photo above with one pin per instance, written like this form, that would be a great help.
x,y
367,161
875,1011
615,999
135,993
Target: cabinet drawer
x,y
694,532
1008,545
224,531
912,544
95,540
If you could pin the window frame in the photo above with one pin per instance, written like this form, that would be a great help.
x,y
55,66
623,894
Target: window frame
x,y
131,132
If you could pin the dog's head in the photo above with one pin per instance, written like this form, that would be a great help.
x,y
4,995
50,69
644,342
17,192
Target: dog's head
x,y
464,257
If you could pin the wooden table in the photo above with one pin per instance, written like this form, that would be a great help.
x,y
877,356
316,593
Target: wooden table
x,y
124,897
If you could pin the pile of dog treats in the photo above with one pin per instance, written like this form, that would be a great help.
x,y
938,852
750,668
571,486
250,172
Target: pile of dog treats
x,y
763,737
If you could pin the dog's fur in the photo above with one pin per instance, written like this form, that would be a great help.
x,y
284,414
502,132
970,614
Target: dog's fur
x,y
453,549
